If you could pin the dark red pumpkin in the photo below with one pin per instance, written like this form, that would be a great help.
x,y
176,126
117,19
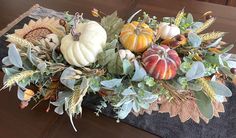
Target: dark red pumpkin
x,y
161,62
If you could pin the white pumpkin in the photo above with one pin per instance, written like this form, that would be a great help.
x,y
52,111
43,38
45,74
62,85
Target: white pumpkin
x,y
167,31
84,51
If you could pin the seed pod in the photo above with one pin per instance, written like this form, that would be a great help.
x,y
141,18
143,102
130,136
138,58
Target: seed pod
x,y
233,70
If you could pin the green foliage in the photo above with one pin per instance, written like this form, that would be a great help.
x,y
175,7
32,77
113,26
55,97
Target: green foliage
x,y
111,83
151,21
14,56
149,81
139,73
197,71
67,77
179,17
112,24
115,64
104,57
128,67
73,104
204,104
220,89
95,83
194,39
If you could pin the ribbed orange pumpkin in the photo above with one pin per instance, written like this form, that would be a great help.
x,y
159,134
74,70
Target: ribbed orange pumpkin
x,y
161,62
136,36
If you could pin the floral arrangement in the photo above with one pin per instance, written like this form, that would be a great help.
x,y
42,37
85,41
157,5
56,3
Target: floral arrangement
x,y
137,66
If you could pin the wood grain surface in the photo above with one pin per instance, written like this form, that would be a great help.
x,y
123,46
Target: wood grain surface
x,y
26,123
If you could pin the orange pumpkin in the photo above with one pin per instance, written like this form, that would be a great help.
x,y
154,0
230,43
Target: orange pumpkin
x,y
161,62
136,36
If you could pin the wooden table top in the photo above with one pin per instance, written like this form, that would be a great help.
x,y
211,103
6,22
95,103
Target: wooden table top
x,y
37,123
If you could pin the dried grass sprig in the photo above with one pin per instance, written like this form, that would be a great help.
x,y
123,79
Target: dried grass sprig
x,y
207,24
18,40
74,106
211,36
173,92
18,77
179,17
207,89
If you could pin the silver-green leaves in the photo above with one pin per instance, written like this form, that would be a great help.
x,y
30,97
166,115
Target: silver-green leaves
x,y
139,73
128,67
14,56
66,77
112,24
220,89
111,83
197,71
194,39
204,104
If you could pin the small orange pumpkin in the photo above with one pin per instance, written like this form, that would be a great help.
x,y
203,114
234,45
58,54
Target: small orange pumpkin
x,y
136,36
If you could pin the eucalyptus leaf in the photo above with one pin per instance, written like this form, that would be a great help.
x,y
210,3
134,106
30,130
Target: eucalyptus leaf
x,y
20,94
105,57
139,73
127,67
194,39
128,91
213,59
14,56
204,104
9,71
196,25
227,49
122,101
111,83
189,18
95,84
65,77
136,107
215,43
112,24
143,104
6,61
59,110
194,86
197,71
61,98
227,72
115,64
125,110
220,89
231,64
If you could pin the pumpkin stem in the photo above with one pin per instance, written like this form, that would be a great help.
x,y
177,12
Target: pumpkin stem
x,y
76,36
163,53
77,18
139,27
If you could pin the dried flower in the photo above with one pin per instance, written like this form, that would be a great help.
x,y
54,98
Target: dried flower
x,y
18,77
18,40
211,36
207,89
207,24
95,12
179,17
